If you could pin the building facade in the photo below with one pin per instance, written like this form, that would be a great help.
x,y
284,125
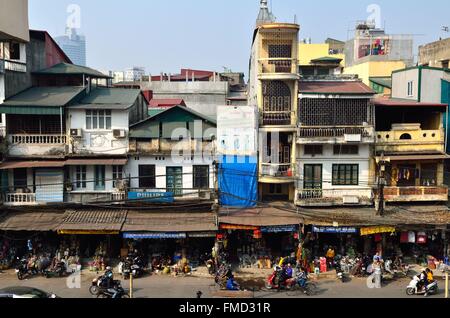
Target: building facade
x,y
435,54
74,45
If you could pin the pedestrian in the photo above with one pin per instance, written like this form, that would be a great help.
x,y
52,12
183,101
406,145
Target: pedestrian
x,y
377,273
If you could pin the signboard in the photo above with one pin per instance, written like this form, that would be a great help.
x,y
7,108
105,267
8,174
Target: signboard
x,y
279,229
336,230
163,197
202,234
87,232
377,230
154,235
238,227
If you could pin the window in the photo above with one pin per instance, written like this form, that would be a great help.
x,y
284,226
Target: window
x,y
20,178
313,150
312,177
445,63
117,174
346,150
99,178
147,177
14,51
80,177
98,119
345,175
201,177
411,88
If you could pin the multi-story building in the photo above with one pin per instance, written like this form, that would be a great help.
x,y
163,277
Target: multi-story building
x,y
273,90
134,74
321,59
373,53
334,143
410,150
435,54
171,156
74,45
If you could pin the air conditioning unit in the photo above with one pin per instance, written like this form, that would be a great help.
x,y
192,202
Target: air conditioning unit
x,y
353,138
119,133
350,200
76,133
205,195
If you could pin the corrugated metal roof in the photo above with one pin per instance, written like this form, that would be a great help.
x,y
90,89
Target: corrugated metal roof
x,y
93,220
154,112
31,221
111,96
44,97
327,59
71,69
138,221
258,217
166,102
335,87
96,161
31,164
404,103
382,81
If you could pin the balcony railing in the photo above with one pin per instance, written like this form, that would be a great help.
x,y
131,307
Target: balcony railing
x,y
343,134
38,139
2,66
334,196
278,170
406,194
277,118
278,66
409,140
15,66
19,199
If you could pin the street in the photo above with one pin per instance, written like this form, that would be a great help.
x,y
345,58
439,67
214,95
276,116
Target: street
x,y
156,286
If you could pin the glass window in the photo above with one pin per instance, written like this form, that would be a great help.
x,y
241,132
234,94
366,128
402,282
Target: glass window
x,y
117,174
88,119
346,175
80,177
98,119
346,150
313,150
201,177
147,177
99,178
428,177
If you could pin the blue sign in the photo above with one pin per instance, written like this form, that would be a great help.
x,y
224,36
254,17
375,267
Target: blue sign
x,y
332,229
163,197
141,236
279,229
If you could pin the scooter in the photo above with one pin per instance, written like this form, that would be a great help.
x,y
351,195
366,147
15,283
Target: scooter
x,y
273,281
116,292
294,283
22,269
339,272
59,270
413,289
99,284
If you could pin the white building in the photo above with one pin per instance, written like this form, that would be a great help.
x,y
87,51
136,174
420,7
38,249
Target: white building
x,y
134,74
335,140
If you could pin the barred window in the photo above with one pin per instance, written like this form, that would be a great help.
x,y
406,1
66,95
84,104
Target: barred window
x,y
346,150
345,175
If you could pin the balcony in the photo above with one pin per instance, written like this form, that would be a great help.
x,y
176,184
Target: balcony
x,y
85,197
276,118
20,199
410,140
334,197
14,66
418,194
167,146
37,145
278,68
281,173
335,135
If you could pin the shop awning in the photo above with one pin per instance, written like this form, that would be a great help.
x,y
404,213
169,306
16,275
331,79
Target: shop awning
x,y
95,221
31,221
96,161
31,164
169,222
138,236
259,217
377,230
417,157
335,230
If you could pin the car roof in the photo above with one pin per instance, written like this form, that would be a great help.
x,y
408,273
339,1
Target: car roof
x,y
20,290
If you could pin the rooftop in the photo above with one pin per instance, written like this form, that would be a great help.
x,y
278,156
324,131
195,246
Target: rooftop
x,y
167,102
70,69
45,96
335,87
404,103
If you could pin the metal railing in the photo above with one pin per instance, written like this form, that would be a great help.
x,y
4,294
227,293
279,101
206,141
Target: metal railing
x,y
284,170
278,66
334,132
277,117
39,139
324,194
15,66
20,199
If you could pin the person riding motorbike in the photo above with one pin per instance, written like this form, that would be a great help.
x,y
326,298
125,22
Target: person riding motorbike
x,y
109,282
232,285
302,277
423,281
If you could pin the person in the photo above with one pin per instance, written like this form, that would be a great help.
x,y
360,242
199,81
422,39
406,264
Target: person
x,y
377,272
302,277
429,278
330,256
377,257
289,271
231,284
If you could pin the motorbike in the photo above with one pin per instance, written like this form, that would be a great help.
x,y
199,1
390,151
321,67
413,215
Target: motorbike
x,y
339,272
99,284
223,274
59,270
116,292
294,283
413,288
276,281
22,269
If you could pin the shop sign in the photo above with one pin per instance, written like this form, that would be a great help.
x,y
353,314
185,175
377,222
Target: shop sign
x,y
202,234
76,232
336,230
140,236
279,229
238,227
377,230
163,197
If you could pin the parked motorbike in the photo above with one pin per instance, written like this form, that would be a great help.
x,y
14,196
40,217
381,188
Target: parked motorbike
x,y
60,270
413,288
116,292
339,272
22,269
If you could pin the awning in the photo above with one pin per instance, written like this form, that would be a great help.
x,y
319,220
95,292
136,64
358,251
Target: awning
x,y
259,217
96,161
96,221
31,221
169,222
335,230
417,157
31,164
377,230
140,236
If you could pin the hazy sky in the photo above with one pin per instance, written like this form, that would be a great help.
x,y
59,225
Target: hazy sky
x,y
165,35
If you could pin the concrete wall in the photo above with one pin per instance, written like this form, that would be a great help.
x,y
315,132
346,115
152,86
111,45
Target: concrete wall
x,y
99,141
14,20
374,69
90,175
400,84
434,53
431,86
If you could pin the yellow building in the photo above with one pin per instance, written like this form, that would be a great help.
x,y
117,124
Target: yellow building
x,y
273,88
310,52
366,70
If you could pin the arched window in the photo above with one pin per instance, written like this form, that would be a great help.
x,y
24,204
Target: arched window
x,y
276,96
405,137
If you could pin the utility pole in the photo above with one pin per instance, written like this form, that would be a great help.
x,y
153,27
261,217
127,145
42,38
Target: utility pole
x,y
381,162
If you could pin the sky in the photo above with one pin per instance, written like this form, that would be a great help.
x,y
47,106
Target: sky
x,y
166,35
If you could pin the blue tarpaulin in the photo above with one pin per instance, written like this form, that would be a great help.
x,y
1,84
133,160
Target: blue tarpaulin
x,y
238,181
